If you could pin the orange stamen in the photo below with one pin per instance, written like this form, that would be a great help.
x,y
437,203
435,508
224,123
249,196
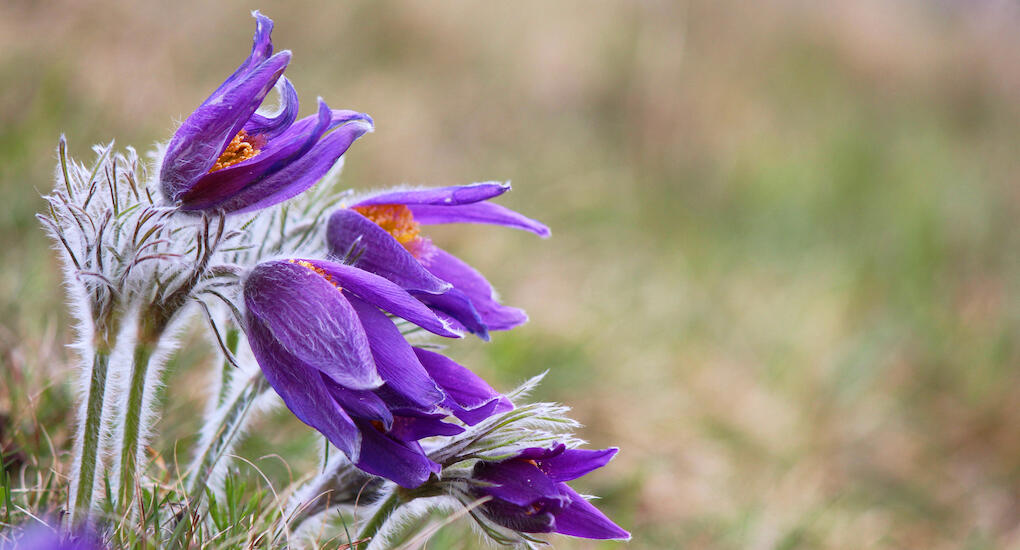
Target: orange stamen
x,y
241,148
396,219
318,270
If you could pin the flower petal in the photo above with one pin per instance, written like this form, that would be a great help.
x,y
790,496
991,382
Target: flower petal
x,y
455,307
581,519
517,482
214,188
303,172
574,463
441,196
469,398
312,320
384,294
271,125
413,428
197,144
523,519
479,212
396,362
302,388
261,49
402,463
377,251
466,279
363,404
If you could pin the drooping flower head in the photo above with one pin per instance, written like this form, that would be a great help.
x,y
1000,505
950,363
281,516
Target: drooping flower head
x,y
227,156
319,334
529,494
382,233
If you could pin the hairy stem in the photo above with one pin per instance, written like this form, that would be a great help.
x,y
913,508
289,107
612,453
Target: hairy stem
x,y
229,421
133,421
340,483
381,516
227,370
88,434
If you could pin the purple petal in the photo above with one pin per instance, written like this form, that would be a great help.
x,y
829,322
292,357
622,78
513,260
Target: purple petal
x,y
541,453
479,212
301,174
312,320
466,279
200,140
363,404
261,49
384,294
402,463
216,187
574,463
269,127
380,253
456,308
396,362
440,196
517,482
469,398
413,428
581,519
49,536
301,387
520,518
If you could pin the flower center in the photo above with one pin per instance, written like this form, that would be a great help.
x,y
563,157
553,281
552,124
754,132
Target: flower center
x,y
398,221
241,148
317,270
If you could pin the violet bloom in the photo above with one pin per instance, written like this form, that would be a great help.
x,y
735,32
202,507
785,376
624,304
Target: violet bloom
x,y
228,157
343,367
45,537
529,494
383,233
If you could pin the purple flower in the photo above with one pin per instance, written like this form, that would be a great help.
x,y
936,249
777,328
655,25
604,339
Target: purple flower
x,y
383,232
529,494
343,367
227,156
45,537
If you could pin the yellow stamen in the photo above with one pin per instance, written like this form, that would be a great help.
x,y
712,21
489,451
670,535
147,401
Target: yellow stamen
x,y
241,148
396,219
318,270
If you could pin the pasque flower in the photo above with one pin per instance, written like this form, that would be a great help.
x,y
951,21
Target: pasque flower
x,y
46,537
382,233
227,156
529,494
344,368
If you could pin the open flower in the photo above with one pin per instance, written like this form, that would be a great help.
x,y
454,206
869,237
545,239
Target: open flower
x,y
344,368
528,493
382,233
227,156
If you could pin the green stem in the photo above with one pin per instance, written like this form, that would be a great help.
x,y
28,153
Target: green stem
x,y
229,425
90,435
227,372
375,523
133,422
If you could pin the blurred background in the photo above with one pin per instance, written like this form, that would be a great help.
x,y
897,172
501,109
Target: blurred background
x,y
785,261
